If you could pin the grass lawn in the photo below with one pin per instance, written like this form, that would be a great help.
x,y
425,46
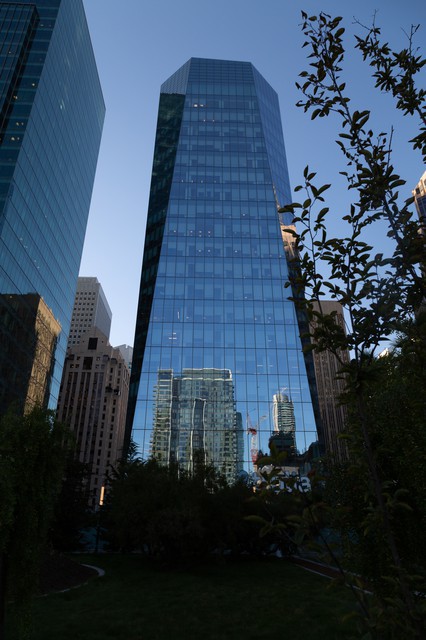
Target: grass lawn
x,y
241,600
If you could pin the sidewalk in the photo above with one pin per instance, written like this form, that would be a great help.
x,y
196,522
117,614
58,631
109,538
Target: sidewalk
x,y
325,570
320,568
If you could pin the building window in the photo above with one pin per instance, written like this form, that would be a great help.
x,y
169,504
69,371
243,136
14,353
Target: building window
x,y
93,344
87,363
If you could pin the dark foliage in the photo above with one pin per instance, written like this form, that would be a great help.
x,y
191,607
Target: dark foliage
x,y
33,450
71,513
170,515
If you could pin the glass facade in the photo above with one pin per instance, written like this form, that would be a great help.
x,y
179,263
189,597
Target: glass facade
x,y
217,340
51,119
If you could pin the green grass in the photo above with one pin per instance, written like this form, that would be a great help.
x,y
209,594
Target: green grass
x,y
238,600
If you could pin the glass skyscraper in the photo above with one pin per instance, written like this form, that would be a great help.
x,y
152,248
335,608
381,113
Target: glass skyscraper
x,y
51,119
216,336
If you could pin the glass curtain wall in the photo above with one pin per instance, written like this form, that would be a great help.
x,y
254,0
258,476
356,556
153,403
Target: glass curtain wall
x,y
216,336
51,119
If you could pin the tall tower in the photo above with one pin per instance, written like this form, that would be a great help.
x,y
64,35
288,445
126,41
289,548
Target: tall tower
x,y
419,194
212,295
91,309
331,386
51,119
93,401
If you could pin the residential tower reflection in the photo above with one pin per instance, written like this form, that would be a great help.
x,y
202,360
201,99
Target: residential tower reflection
x,y
195,420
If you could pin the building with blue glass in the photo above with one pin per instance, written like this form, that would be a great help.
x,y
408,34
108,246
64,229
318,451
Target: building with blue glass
x,y
51,119
217,338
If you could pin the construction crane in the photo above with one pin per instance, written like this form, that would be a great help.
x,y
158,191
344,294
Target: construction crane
x,y
252,429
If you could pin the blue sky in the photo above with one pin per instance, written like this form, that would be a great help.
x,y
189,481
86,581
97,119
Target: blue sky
x,y
139,43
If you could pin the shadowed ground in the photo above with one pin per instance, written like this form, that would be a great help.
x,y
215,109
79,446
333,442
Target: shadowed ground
x,y
137,599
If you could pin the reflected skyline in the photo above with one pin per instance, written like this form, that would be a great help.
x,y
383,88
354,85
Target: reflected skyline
x,y
195,421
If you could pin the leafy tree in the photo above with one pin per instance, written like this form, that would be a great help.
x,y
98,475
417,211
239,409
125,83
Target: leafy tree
x,y
32,460
381,294
177,517
278,505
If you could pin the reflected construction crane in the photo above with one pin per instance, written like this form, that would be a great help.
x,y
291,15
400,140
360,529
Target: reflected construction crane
x,y
252,429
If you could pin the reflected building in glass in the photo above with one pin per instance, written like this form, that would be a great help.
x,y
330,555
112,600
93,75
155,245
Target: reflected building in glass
x,y
284,434
51,119
216,336
195,421
283,412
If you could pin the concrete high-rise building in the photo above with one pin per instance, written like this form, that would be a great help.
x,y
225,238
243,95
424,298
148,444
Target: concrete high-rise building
x,y
330,386
93,401
51,119
91,309
127,353
212,294
419,195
